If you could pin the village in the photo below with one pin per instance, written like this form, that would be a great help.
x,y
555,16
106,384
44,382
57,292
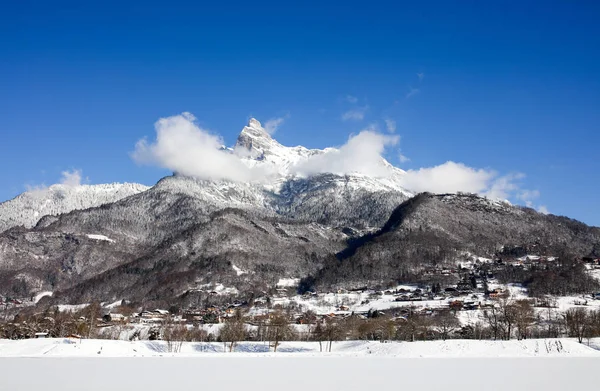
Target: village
x,y
461,304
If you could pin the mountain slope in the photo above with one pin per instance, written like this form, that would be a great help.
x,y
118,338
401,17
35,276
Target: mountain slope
x,y
430,230
28,208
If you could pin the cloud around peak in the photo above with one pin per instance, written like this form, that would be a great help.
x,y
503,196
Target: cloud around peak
x,y
182,146
273,124
185,148
68,178
362,153
71,178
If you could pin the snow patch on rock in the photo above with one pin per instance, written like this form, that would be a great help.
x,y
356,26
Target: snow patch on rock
x,y
100,237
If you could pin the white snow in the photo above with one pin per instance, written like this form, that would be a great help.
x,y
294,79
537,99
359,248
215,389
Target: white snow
x,y
28,208
298,374
238,271
64,364
71,307
288,282
65,347
39,296
100,237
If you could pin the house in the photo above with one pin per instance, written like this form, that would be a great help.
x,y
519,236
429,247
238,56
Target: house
x,y
41,335
497,293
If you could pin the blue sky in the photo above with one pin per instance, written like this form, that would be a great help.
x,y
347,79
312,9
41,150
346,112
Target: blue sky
x,y
512,87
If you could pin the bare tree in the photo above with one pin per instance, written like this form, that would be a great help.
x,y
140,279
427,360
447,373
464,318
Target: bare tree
x,y
414,327
333,331
492,317
278,329
444,323
524,316
508,317
233,330
92,312
174,334
576,321
319,334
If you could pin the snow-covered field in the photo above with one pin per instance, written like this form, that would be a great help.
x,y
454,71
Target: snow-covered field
x,y
63,347
295,373
60,364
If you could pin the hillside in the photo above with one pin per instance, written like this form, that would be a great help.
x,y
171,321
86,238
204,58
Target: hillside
x,y
430,231
28,208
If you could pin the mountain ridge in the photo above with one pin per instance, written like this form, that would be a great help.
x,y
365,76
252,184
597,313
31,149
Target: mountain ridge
x,y
29,207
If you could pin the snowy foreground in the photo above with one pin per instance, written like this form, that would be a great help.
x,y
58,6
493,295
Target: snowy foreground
x,y
62,347
483,365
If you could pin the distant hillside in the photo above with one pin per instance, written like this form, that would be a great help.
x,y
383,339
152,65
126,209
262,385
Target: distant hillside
x,y
430,230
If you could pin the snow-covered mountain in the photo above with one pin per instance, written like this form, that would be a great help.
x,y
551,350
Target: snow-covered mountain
x,y
258,149
286,224
349,198
28,208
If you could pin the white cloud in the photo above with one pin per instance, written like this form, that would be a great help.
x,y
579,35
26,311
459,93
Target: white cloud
x,y
356,114
71,178
543,209
351,99
402,158
182,146
390,125
503,187
449,177
412,92
452,177
528,196
273,124
362,153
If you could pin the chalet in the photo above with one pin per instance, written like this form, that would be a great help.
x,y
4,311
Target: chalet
x,y
497,293
41,335
153,316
